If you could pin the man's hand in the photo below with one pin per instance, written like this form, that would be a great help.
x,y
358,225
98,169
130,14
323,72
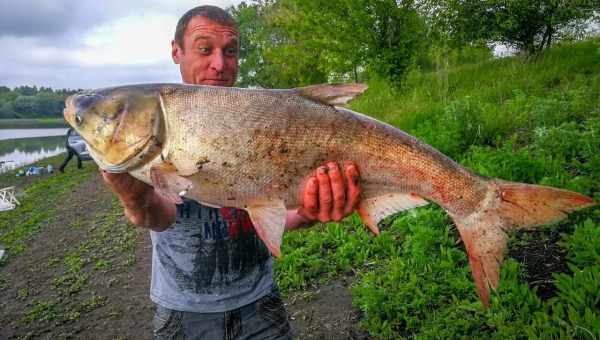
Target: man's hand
x,y
142,206
328,196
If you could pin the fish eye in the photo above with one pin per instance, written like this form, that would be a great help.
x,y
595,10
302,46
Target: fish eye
x,y
78,119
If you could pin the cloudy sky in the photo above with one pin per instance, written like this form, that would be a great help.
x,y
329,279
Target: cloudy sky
x,y
89,44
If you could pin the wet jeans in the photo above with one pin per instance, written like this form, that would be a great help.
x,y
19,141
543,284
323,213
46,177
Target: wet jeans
x,y
263,319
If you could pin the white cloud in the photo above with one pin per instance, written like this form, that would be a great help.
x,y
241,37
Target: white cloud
x,y
134,40
89,44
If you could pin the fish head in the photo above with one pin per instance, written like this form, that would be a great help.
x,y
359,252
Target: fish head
x,y
123,127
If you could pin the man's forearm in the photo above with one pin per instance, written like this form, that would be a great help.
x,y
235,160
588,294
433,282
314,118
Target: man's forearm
x,y
153,212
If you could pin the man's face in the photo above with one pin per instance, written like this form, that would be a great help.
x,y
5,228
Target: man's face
x,y
209,55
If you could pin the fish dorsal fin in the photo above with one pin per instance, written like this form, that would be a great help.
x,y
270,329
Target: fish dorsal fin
x,y
268,218
373,210
167,182
333,94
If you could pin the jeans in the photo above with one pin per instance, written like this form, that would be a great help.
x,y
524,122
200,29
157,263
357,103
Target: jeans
x,y
70,154
266,318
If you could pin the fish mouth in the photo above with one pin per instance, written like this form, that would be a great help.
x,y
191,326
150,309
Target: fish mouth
x,y
147,149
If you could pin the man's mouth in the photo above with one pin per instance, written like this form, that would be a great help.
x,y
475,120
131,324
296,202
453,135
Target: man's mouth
x,y
215,82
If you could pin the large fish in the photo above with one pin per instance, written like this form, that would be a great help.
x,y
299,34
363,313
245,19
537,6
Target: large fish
x,y
254,149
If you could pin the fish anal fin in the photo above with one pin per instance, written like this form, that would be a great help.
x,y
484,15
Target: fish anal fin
x,y
168,183
373,210
333,94
268,218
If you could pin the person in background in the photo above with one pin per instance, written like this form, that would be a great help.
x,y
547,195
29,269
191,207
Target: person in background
x,y
75,146
212,277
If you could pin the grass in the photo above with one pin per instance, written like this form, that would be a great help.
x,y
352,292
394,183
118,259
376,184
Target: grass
x,y
534,121
38,201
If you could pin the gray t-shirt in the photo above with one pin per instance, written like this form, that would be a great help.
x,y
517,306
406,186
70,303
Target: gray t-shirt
x,y
210,260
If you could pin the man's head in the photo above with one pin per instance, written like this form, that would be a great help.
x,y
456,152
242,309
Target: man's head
x,y
206,47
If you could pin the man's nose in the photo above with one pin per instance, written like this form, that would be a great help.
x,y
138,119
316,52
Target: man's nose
x,y
217,61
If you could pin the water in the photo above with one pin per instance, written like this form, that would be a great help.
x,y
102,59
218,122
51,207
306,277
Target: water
x,y
30,133
19,147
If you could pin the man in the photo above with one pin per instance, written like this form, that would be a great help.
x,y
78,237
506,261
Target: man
x,y
211,274
75,146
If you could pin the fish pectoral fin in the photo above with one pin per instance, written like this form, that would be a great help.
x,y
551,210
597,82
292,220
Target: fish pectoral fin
x,y
168,183
333,94
373,210
268,218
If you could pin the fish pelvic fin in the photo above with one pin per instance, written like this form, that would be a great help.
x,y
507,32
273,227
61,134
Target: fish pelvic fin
x,y
333,94
268,218
373,210
168,183
509,206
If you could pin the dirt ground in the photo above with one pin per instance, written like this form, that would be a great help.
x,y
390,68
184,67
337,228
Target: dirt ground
x,y
113,302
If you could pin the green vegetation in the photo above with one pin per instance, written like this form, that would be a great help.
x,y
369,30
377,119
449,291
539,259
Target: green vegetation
x,y
35,212
535,121
32,102
528,26
290,43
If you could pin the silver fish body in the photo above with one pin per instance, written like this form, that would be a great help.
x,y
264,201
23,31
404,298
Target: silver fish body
x,y
254,149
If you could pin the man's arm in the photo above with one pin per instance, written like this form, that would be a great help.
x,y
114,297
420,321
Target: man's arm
x,y
327,196
142,205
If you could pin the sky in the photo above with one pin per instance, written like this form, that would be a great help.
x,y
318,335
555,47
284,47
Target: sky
x,y
90,44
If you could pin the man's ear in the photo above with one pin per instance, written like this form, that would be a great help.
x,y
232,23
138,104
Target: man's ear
x,y
176,52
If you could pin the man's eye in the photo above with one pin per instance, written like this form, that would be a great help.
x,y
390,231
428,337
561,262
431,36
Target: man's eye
x,y
204,50
231,51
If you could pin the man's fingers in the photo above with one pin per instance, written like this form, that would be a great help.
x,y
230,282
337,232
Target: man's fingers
x,y
338,191
353,189
325,195
310,206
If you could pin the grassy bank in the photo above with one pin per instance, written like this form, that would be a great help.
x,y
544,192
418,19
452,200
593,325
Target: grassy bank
x,y
534,121
32,123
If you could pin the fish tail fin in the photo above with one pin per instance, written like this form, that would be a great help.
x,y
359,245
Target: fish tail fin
x,y
507,206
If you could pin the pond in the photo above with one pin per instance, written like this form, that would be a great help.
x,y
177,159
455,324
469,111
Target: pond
x,y
19,147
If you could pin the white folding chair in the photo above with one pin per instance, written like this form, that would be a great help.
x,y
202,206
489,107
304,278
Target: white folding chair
x,y
8,201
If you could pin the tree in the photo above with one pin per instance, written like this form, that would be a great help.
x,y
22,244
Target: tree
x,y
6,111
25,106
38,102
529,26
298,42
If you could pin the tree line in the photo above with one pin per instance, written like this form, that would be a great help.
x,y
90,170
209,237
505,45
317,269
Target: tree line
x,y
286,43
32,102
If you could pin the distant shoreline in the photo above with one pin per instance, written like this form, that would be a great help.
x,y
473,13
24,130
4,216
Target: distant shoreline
x,y
32,123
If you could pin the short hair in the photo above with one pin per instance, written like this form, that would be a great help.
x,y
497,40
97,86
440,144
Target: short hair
x,y
213,13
